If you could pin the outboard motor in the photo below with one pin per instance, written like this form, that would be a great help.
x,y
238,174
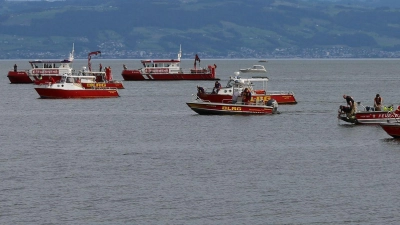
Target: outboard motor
x,y
272,102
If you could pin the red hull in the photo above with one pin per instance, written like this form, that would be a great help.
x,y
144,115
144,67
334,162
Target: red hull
x,y
19,77
135,75
280,98
229,109
84,93
392,129
371,117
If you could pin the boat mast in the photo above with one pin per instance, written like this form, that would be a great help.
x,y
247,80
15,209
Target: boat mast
x,y
180,52
71,54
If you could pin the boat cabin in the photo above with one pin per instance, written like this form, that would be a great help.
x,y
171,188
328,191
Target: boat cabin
x,y
160,63
49,64
161,66
77,79
238,84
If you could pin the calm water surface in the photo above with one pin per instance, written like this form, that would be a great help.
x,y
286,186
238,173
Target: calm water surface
x,y
146,158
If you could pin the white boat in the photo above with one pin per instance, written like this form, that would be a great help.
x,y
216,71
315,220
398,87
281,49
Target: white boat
x,y
254,69
257,86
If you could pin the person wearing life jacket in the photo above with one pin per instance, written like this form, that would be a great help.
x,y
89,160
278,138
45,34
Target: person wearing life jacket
x,y
378,102
246,96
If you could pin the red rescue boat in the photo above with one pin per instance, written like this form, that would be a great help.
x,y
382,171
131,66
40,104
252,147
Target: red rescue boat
x,y
367,115
71,87
169,69
42,70
103,79
256,85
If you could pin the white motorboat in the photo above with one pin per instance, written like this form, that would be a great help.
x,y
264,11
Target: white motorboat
x,y
254,69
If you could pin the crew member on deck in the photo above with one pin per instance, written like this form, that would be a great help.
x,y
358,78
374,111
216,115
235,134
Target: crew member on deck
x,y
200,90
125,68
246,96
217,87
378,102
350,103
100,67
15,67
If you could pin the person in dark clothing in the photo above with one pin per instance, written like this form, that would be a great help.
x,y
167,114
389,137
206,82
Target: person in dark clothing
x,y
200,90
378,103
350,103
217,87
349,100
15,67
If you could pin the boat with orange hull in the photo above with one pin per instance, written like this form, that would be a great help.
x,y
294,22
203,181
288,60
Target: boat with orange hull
x,y
71,87
169,69
256,85
392,129
239,108
366,115
42,70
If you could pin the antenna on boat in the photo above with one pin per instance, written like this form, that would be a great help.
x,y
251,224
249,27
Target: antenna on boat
x,y
180,52
71,55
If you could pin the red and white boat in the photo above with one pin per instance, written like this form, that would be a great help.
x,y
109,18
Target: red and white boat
x,y
70,86
392,129
368,116
103,79
42,70
257,86
169,69
203,107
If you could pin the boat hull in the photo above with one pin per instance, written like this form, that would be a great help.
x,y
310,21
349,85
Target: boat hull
x,y
371,117
392,129
203,108
135,75
83,93
19,77
284,99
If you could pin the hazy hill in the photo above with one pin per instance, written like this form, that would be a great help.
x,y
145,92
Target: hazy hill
x,y
230,28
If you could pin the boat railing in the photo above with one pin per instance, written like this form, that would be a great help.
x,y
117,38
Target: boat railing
x,y
97,87
281,92
193,70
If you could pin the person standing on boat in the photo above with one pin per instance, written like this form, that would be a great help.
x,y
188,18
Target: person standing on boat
x,y
246,96
350,103
15,67
101,67
378,102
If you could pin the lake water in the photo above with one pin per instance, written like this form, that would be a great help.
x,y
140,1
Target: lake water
x,y
146,158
